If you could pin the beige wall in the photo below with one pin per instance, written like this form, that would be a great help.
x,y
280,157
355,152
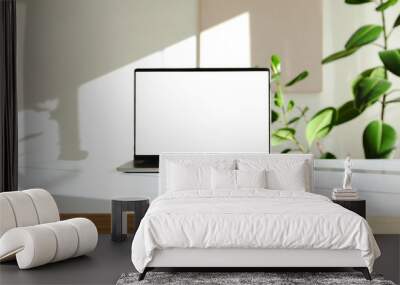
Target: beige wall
x,y
246,33
75,87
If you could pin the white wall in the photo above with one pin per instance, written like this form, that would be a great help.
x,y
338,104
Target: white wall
x,y
376,181
76,61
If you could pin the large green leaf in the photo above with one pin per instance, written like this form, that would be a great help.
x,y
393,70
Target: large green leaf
x,y
357,1
275,64
327,155
364,35
339,55
301,76
282,135
278,99
367,91
375,72
320,124
346,112
391,60
384,5
397,22
379,140
274,116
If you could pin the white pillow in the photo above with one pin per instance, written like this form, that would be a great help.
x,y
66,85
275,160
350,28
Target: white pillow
x,y
193,174
237,179
251,178
188,177
223,179
282,173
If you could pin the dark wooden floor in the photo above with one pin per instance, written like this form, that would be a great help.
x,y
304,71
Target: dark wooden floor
x,y
110,260
103,266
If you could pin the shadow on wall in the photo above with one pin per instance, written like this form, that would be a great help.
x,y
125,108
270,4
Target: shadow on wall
x,y
30,136
64,44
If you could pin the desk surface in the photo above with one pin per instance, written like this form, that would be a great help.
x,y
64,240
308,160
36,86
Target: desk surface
x,y
128,167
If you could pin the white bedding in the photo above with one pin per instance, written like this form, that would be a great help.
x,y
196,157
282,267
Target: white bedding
x,y
250,218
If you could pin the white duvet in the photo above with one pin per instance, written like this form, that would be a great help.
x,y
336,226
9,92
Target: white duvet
x,y
250,219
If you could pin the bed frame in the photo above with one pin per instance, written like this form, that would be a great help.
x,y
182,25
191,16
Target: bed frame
x,y
249,259
260,259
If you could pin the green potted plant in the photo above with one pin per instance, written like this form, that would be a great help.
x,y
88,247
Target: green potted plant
x,y
374,85
287,114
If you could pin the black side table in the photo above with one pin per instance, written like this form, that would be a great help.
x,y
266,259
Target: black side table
x,y
357,206
121,205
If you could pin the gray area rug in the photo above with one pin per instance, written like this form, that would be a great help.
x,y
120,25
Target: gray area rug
x,y
269,278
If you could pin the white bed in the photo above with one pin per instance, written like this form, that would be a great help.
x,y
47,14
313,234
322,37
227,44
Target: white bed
x,y
201,220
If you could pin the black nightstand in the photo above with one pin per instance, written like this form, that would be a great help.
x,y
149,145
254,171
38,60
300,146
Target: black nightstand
x,y
357,206
121,205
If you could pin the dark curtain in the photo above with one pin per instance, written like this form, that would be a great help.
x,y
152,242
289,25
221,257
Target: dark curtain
x,y
8,98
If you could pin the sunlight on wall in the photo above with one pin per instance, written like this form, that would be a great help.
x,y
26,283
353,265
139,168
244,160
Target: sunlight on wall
x,y
181,54
227,44
113,93
106,127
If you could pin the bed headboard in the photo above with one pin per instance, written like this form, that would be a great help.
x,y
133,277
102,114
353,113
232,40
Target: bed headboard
x,y
171,157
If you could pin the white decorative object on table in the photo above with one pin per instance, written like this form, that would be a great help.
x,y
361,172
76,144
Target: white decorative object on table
x,y
31,231
346,192
347,174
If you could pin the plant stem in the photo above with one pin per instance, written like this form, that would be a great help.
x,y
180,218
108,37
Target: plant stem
x,y
385,47
319,147
285,120
303,114
298,144
284,116
279,89
294,140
